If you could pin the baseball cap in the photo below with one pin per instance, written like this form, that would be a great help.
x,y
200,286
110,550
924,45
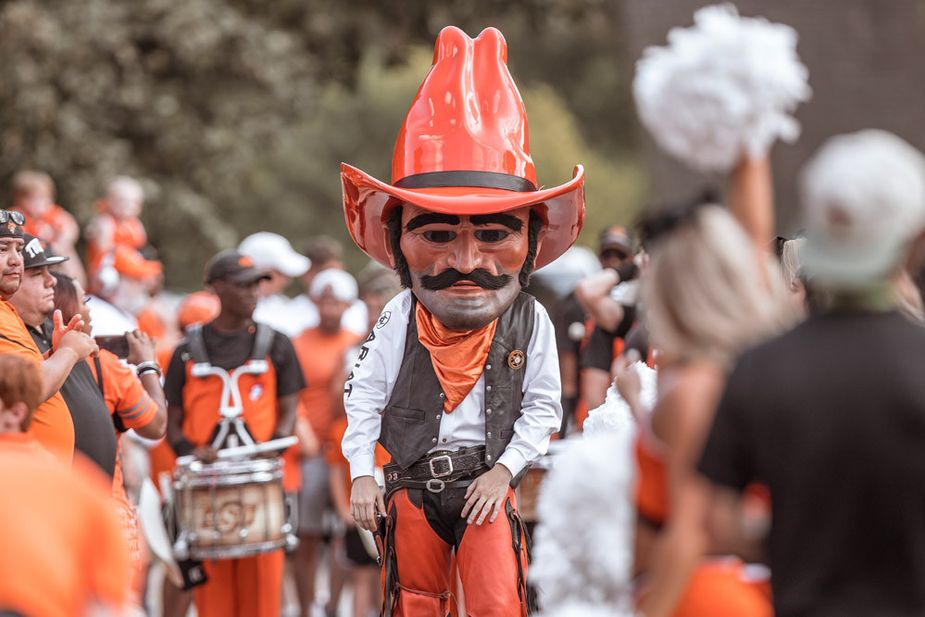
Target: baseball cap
x,y
616,237
863,203
341,285
231,265
35,255
272,251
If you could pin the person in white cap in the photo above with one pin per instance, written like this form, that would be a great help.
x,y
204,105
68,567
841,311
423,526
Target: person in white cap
x,y
272,252
831,415
325,253
321,350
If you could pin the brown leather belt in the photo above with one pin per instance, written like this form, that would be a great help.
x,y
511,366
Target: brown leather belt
x,y
438,470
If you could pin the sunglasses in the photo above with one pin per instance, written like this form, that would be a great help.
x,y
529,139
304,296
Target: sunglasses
x,y
11,215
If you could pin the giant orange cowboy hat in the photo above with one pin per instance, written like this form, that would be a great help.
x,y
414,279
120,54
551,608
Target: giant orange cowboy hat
x,y
463,150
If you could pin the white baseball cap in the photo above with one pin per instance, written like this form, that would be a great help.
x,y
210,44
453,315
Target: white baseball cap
x,y
341,285
272,251
863,203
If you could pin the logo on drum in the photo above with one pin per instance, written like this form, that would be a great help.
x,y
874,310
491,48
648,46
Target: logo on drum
x,y
256,392
231,516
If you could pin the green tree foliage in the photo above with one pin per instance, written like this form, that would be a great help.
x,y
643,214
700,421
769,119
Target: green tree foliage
x,y
236,113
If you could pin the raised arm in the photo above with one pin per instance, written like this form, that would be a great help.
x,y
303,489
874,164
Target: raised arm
x,y
751,199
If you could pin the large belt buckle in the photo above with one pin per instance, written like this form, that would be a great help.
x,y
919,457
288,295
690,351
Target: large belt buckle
x,y
435,486
443,469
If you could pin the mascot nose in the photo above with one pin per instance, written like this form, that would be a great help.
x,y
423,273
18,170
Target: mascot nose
x,y
464,254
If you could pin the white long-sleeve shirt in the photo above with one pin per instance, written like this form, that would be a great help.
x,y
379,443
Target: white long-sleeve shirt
x,y
376,370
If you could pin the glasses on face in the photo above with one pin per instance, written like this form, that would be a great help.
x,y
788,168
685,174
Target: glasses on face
x,y
11,215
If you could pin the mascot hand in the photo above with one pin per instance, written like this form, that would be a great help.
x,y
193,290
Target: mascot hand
x,y
487,494
366,500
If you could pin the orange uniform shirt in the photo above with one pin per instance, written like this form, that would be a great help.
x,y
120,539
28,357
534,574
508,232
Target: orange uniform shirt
x,y
54,222
322,358
110,235
51,422
123,392
62,546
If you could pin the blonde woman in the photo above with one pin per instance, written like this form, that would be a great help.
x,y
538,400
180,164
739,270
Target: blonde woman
x,y
709,290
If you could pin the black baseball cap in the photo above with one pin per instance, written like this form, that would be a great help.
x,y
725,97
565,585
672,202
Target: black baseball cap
x,y
616,237
35,254
232,266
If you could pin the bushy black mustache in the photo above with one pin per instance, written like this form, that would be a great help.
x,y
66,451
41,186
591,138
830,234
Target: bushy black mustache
x,y
482,278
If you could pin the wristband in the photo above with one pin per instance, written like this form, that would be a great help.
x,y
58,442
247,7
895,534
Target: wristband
x,y
149,366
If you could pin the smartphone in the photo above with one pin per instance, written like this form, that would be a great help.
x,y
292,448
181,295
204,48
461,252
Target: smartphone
x,y
115,343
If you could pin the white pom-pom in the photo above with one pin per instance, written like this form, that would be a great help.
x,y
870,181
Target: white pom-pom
x,y
615,414
723,88
584,542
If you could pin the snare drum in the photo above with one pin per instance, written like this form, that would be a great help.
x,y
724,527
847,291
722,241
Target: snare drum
x,y
230,508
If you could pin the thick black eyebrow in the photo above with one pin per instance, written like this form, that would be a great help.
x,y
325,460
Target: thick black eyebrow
x,y
430,218
507,220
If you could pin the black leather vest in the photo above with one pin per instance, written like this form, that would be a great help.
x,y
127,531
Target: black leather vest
x,y
411,419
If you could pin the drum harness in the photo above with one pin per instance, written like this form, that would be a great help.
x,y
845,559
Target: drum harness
x,y
231,430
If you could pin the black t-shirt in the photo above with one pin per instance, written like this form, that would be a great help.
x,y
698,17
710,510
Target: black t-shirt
x,y
598,353
831,416
94,435
231,350
568,313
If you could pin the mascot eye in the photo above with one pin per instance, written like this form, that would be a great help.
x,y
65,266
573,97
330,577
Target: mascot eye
x,y
491,235
439,236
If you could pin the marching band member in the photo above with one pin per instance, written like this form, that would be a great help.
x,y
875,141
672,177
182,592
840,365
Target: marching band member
x,y
133,397
459,378
248,586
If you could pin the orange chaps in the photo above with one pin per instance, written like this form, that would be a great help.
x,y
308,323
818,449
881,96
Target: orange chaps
x,y
248,587
423,528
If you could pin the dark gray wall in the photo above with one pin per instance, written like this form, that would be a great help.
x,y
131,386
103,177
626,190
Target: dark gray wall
x,y
866,61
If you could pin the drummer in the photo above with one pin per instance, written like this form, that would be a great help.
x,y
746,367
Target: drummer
x,y
249,586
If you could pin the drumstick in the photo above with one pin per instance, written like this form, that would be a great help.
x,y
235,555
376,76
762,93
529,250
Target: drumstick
x,y
266,446
260,448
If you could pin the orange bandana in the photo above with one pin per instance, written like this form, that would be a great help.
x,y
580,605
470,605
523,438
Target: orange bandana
x,y
458,356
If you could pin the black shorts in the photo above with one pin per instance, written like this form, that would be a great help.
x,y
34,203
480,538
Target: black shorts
x,y
357,554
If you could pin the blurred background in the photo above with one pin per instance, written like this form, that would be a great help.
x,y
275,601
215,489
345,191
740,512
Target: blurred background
x,y
235,114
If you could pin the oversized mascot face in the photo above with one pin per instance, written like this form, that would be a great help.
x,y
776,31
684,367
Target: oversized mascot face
x,y
466,270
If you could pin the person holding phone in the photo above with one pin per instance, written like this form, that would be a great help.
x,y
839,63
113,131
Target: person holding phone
x,y
134,399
